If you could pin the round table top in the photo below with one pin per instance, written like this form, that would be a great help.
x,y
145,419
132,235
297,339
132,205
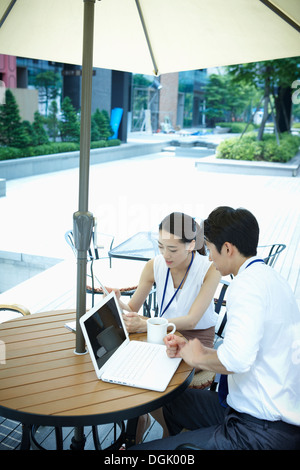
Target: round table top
x,y
43,382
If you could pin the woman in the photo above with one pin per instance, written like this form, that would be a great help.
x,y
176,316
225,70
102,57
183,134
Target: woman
x,y
185,285
185,281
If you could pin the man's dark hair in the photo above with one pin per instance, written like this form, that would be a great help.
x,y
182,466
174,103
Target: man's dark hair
x,y
236,226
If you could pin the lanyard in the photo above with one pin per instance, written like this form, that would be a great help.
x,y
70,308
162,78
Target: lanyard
x,y
255,261
165,288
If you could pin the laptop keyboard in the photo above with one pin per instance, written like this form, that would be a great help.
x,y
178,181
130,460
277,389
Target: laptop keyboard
x,y
138,359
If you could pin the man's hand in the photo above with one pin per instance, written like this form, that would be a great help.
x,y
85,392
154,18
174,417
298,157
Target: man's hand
x,y
190,351
174,345
193,352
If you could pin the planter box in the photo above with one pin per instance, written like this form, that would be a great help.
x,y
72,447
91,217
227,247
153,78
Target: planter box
x,y
220,165
2,187
29,166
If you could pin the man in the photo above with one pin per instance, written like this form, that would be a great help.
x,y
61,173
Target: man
x,y
260,353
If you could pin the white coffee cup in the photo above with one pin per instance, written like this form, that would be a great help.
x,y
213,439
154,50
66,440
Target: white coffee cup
x,y
157,329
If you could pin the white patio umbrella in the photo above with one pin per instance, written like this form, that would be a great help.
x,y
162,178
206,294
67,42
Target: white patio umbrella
x,y
143,36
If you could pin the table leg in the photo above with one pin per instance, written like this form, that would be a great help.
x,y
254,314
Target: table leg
x,y
130,433
78,440
25,442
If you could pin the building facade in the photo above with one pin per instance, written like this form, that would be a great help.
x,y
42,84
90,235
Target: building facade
x,y
171,102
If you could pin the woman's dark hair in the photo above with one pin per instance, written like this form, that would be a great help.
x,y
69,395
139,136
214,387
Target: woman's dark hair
x,y
186,228
236,226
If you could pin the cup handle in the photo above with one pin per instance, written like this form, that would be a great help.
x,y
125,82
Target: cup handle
x,y
173,330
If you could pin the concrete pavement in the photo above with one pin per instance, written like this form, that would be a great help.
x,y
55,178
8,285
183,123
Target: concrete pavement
x,y
133,195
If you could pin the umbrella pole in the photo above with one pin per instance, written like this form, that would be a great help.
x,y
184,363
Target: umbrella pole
x,y
82,219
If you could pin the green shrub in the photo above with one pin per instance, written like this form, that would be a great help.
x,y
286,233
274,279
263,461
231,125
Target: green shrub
x,y
249,148
9,153
100,126
13,132
237,127
69,126
19,139
113,142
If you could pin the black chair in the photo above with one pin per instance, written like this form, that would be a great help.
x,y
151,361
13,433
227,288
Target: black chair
x,y
204,378
94,255
270,253
98,250
11,311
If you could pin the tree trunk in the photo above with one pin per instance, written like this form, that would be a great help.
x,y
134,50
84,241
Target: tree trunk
x,y
266,108
283,105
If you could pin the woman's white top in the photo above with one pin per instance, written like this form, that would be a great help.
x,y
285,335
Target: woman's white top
x,y
185,297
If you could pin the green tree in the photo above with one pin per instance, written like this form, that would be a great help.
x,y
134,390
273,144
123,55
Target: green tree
x,y
141,80
39,129
48,83
13,133
227,101
274,80
30,132
100,126
108,128
69,125
52,121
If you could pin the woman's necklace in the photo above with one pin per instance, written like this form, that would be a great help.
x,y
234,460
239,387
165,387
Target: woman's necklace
x,y
165,288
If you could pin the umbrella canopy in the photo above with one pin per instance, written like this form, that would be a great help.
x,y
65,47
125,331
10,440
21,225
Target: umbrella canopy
x,y
143,36
153,36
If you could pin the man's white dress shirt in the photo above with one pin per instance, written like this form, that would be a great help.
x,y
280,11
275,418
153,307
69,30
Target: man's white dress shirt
x,y
262,345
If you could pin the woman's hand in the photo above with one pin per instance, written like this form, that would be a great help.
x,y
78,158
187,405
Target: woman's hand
x,y
116,291
134,322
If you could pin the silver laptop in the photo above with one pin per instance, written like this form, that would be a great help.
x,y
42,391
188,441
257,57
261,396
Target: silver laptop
x,y
118,360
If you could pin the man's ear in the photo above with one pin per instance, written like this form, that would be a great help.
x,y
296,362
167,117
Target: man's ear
x,y
228,248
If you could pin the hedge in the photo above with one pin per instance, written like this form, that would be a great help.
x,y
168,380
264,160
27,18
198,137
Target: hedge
x,y
237,127
10,153
249,148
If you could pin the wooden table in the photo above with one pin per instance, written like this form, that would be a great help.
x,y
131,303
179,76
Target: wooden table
x,y
43,382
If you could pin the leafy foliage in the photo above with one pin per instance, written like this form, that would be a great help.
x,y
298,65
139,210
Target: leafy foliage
x,y
69,126
13,133
10,153
227,100
249,148
273,78
22,139
100,126
48,84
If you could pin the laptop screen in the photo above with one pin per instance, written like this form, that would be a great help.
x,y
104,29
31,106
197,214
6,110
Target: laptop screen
x,y
105,331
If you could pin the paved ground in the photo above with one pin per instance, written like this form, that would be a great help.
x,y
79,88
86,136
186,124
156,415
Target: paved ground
x,y
134,195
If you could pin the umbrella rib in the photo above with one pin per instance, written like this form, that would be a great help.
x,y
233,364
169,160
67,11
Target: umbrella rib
x,y
7,12
282,15
146,36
